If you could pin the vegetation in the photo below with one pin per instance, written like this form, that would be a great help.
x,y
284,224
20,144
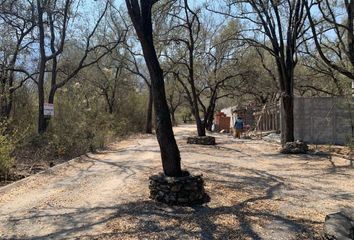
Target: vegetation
x,y
110,70
7,146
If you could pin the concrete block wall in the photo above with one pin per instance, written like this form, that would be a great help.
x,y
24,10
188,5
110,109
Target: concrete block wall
x,y
323,120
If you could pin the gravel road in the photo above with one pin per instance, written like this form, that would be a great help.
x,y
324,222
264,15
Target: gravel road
x,y
255,193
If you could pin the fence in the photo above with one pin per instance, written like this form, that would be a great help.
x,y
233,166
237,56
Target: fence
x,y
268,119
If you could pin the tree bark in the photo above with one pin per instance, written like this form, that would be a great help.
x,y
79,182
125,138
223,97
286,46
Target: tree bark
x,y
200,124
42,125
210,117
288,129
173,118
148,127
141,18
170,155
41,118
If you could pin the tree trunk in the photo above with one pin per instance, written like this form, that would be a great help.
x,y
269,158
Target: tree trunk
x,y
200,124
148,127
42,65
6,97
288,127
9,105
6,108
141,18
210,118
195,111
173,118
50,101
42,122
171,160
140,15
198,121
109,102
41,119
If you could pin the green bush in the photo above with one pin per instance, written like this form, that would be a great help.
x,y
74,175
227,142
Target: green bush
x,y
81,122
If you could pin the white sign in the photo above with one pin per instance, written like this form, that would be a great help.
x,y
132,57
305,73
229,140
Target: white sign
x,y
48,109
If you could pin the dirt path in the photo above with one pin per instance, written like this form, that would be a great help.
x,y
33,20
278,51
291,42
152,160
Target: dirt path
x,y
256,194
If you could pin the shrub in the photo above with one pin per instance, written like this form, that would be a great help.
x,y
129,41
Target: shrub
x,y
7,146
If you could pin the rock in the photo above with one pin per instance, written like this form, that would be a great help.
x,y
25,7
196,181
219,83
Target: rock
x,y
349,213
246,137
297,147
36,168
205,140
185,190
182,200
176,188
340,225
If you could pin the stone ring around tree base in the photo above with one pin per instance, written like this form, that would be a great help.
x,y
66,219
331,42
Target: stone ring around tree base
x,y
297,147
204,140
186,190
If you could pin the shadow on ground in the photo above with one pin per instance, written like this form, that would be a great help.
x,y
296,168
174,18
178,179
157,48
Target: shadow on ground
x,y
249,212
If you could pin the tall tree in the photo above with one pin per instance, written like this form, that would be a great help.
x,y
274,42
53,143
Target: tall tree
x,y
17,20
53,23
186,30
338,54
276,26
140,14
219,61
333,33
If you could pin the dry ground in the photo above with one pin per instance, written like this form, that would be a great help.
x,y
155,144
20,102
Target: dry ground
x,y
255,193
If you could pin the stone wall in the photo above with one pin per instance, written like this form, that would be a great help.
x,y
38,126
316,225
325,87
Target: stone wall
x,y
186,190
323,120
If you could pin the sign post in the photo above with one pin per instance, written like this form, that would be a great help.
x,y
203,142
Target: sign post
x,y
48,109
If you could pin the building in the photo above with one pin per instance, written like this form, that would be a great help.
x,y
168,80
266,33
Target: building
x,y
247,114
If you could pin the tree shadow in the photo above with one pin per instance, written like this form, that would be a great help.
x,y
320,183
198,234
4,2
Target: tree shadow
x,y
145,219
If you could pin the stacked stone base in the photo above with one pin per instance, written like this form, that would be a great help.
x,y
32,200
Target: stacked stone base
x,y
205,140
297,147
186,190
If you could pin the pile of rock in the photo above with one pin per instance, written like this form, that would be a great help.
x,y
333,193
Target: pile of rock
x,y
185,190
205,140
340,225
297,147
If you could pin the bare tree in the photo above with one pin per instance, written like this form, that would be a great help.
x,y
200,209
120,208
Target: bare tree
x,y
277,27
175,96
140,14
110,81
219,61
186,30
134,66
17,20
338,20
53,21
337,54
